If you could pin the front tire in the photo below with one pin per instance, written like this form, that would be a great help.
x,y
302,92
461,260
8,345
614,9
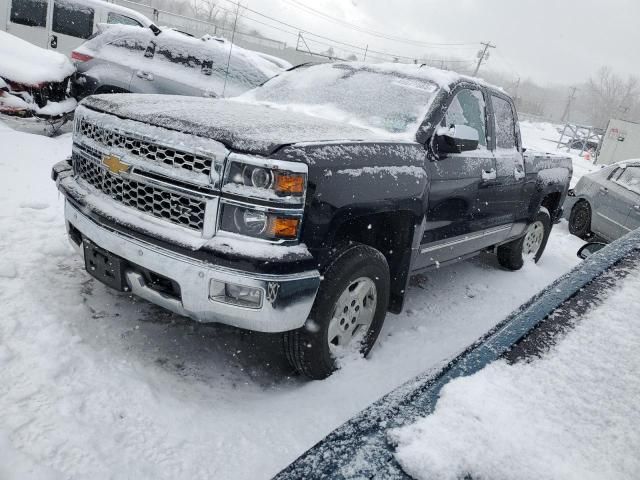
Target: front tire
x,y
531,245
349,311
580,220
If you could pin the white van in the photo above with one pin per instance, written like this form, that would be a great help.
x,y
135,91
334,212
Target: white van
x,y
62,25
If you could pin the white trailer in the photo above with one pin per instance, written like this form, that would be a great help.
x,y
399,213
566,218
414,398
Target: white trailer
x,y
621,141
62,25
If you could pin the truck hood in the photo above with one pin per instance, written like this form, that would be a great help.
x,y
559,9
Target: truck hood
x,y
245,127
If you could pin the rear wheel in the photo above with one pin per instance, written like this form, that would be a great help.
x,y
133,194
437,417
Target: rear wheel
x,y
580,219
530,246
347,315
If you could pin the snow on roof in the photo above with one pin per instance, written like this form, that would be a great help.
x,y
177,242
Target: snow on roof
x,y
570,414
179,41
442,78
23,62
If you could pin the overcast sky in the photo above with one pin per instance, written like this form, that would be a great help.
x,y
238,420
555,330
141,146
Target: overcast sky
x,y
560,41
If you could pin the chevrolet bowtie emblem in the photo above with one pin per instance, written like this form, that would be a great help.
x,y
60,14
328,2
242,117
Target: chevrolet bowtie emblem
x,y
114,164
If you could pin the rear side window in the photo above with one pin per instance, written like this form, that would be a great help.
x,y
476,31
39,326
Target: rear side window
x,y
117,19
32,13
73,19
505,125
630,179
468,108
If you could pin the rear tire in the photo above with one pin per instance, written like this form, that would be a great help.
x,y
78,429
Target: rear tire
x,y
532,244
356,283
580,219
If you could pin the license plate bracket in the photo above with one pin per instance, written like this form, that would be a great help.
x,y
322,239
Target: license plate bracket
x,y
104,265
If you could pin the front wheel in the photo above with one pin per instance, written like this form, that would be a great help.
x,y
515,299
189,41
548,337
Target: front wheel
x,y
347,315
531,246
580,220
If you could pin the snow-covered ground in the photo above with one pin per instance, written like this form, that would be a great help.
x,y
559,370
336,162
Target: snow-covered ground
x,y
572,414
96,384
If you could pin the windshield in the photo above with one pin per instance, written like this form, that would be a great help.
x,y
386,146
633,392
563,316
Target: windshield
x,y
380,100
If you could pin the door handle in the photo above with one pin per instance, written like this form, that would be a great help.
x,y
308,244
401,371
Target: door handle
x,y
604,190
488,175
53,41
519,172
145,75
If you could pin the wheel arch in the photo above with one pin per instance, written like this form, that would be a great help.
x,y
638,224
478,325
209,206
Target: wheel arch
x,y
391,233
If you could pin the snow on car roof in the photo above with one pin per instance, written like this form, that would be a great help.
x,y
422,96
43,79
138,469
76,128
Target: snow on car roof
x,y
23,62
443,78
180,41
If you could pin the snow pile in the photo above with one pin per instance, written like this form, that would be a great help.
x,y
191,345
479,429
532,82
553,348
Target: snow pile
x,y
23,62
572,414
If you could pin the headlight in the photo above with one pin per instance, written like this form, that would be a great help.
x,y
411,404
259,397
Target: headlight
x,y
257,223
275,180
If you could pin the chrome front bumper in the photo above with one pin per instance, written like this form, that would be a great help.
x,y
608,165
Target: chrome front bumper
x,y
287,299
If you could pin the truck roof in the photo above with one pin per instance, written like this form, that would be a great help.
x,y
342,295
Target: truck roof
x,y
443,78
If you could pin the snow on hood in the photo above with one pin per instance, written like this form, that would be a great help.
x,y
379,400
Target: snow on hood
x,y
245,127
22,62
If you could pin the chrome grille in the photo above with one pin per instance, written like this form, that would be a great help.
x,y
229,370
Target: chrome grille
x,y
143,149
161,203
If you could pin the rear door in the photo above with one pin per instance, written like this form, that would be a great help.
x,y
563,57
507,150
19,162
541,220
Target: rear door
x,y
612,201
72,23
168,67
509,187
458,213
27,19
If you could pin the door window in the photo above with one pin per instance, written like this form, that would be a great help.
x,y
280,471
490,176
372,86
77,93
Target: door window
x,y
505,125
468,108
32,13
117,19
73,19
630,179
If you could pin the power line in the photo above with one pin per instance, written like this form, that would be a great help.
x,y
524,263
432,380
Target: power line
x,y
370,31
301,30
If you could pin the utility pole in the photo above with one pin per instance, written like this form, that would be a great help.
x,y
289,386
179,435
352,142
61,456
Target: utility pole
x,y
567,109
483,55
516,92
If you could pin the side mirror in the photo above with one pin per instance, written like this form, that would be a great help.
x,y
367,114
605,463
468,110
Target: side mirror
x,y
590,248
457,139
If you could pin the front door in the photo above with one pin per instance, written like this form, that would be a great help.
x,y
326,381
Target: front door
x,y
71,25
27,19
630,180
612,201
459,210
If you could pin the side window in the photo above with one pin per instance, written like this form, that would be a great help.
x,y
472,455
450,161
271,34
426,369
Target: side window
x,y
73,19
117,19
505,126
32,13
630,179
468,108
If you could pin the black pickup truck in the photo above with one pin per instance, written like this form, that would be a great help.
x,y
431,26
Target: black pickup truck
x,y
303,206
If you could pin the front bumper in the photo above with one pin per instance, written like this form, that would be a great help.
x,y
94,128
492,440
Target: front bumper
x,y
287,298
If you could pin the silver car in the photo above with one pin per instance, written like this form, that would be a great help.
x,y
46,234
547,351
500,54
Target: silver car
x,y
606,203
123,59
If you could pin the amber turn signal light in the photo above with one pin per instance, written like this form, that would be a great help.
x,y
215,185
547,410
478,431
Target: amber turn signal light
x,y
286,228
289,183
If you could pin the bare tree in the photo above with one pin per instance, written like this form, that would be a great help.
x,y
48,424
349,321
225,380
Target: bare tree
x,y
607,95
